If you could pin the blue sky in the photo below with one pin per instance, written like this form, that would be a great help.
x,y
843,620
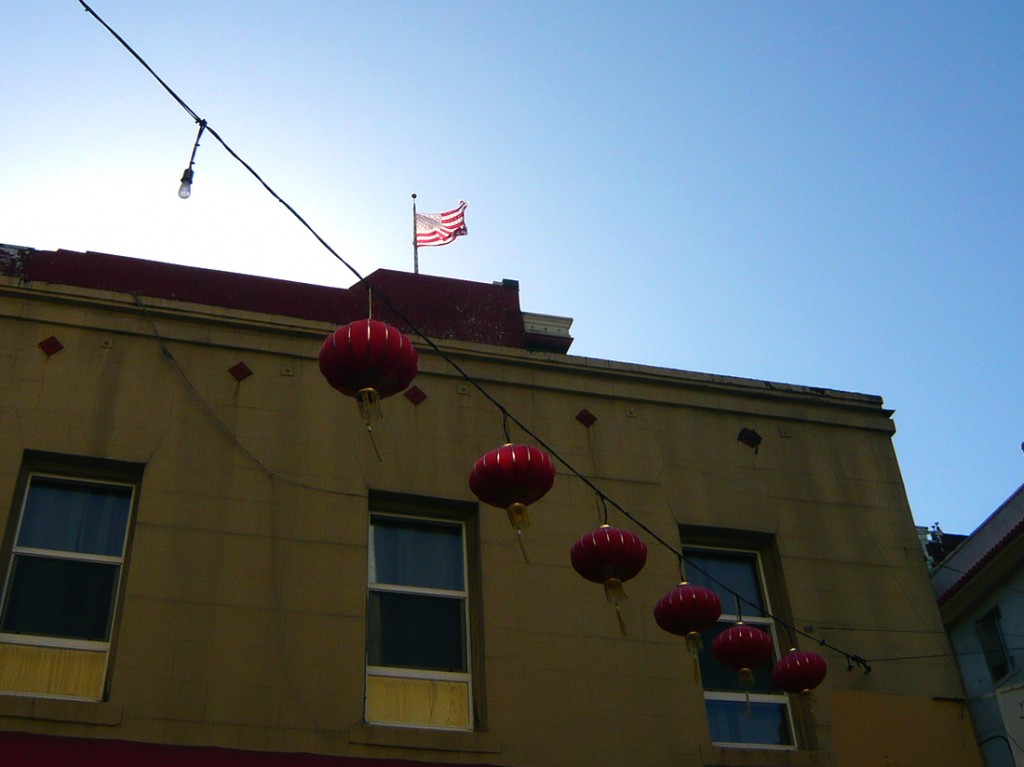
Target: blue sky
x,y
827,194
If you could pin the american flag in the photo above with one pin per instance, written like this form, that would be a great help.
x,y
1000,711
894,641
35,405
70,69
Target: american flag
x,y
441,228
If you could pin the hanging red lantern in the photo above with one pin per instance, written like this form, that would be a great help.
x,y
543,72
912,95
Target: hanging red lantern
x,y
743,647
799,671
609,556
688,610
368,360
511,478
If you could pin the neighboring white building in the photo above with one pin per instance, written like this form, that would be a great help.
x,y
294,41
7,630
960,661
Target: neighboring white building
x,y
980,590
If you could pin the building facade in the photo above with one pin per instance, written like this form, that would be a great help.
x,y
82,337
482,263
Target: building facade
x,y
209,559
979,587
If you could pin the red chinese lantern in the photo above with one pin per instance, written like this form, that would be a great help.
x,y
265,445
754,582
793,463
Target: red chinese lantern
x,y
688,610
368,360
743,647
511,478
799,672
609,556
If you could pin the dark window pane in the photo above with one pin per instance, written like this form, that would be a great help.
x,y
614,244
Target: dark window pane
x,y
416,631
411,552
60,598
735,721
990,635
65,515
719,677
736,571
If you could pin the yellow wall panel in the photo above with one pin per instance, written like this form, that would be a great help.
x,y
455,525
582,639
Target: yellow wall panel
x,y
889,719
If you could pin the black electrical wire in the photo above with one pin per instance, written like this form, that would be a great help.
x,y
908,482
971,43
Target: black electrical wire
x,y
851,659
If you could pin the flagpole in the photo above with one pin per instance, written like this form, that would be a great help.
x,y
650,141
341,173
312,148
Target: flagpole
x,y
415,244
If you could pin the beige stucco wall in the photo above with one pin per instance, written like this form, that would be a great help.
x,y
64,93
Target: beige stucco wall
x,y
242,618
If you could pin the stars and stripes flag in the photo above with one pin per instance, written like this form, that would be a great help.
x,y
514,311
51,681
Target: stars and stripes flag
x,y
441,228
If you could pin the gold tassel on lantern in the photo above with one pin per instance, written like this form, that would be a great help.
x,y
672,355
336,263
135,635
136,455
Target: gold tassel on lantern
x,y
613,590
621,621
614,593
747,680
694,644
520,520
518,517
368,400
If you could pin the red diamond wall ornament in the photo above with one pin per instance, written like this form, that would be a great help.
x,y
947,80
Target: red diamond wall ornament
x,y
51,346
586,418
240,371
415,395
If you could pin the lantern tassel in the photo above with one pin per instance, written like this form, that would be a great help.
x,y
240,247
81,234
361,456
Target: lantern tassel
x,y
373,442
613,591
811,700
747,680
368,400
694,644
621,621
518,517
522,546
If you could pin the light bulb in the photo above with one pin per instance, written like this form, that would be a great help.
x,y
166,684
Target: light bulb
x,y
185,190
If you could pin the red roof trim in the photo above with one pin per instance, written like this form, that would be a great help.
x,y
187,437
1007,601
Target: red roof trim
x,y
21,749
441,307
985,559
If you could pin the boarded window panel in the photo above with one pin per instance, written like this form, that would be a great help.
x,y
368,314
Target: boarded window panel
x,y
60,598
735,721
52,671
66,515
418,702
416,631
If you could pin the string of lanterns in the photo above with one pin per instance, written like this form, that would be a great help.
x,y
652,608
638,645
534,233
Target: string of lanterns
x,y
334,364
370,360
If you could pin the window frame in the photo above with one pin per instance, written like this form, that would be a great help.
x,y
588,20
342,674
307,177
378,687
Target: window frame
x,y
993,643
66,668
14,549
766,623
444,512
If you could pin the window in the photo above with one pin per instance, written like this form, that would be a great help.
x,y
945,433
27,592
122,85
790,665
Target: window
x,y
764,721
418,653
63,568
993,644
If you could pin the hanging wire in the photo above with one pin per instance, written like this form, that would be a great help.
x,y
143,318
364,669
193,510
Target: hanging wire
x,y
504,425
507,417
